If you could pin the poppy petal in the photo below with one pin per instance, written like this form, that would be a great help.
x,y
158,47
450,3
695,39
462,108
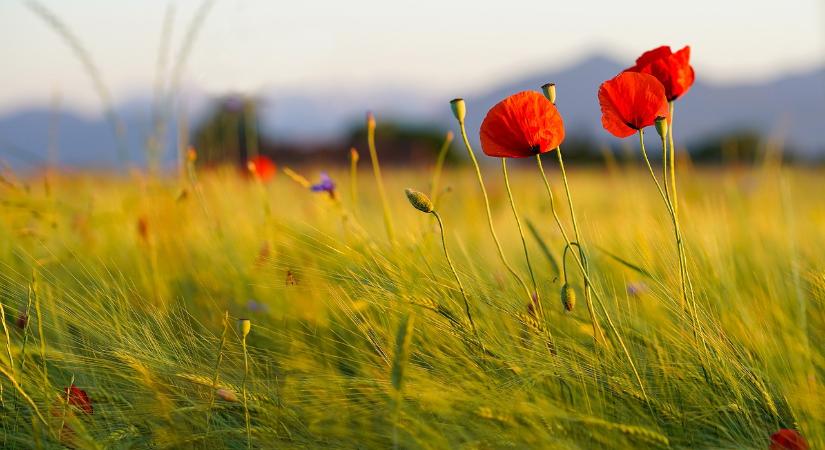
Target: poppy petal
x,y
520,126
631,101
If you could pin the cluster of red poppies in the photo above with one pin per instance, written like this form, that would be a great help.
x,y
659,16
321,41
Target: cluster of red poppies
x,y
526,124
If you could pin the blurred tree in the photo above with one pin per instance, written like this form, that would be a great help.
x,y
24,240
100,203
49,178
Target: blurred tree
x,y
229,133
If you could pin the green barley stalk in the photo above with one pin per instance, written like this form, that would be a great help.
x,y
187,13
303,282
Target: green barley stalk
x,y
216,374
403,338
378,180
353,177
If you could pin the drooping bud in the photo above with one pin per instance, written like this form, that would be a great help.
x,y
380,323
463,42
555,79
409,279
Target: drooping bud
x,y
459,109
661,126
568,297
244,326
419,201
549,90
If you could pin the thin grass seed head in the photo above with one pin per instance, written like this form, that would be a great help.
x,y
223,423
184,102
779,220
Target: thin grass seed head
x,y
549,91
370,120
661,126
191,154
459,109
353,154
244,326
450,137
419,200
568,297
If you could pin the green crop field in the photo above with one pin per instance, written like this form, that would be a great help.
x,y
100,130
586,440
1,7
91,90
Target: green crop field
x,y
131,289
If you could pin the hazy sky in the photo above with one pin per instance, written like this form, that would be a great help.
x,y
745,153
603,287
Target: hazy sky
x,y
447,47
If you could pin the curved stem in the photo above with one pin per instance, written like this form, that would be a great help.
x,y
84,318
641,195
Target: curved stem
x,y
587,288
489,213
455,274
597,329
597,332
678,235
539,311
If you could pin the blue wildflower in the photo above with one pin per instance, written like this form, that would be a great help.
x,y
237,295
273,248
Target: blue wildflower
x,y
325,185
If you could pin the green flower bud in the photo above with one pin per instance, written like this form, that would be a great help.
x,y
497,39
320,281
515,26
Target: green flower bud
x,y
661,126
549,90
419,201
244,326
568,297
459,108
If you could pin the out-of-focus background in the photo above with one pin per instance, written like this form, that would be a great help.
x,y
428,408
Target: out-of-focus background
x,y
94,83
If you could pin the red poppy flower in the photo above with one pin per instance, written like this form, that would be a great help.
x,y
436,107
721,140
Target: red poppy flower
x,y
263,168
787,439
521,125
630,102
79,399
673,70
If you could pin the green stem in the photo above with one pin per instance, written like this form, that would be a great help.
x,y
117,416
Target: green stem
x,y
217,371
678,235
577,258
243,388
672,163
353,178
439,165
539,310
489,213
455,274
380,182
597,331
587,288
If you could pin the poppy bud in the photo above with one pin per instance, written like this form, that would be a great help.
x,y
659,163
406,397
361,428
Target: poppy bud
x,y
459,109
549,90
568,297
353,154
245,325
661,126
419,201
370,120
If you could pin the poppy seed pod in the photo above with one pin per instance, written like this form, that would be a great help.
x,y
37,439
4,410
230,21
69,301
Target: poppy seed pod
x,y
661,126
568,297
244,325
459,108
419,201
549,90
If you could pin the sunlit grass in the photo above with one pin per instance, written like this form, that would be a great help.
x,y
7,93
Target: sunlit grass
x,y
359,342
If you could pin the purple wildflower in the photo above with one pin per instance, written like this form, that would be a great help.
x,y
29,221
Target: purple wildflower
x,y
636,289
325,185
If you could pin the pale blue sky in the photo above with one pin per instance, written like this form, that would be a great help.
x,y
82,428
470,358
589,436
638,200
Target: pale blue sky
x,y
441,46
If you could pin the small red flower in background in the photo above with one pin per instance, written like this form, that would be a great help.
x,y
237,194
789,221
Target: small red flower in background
x,y
787,439
673,70
630,102
521,125
79,399
263,168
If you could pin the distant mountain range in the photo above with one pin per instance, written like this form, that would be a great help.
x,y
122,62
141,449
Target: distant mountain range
x,y
790,108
